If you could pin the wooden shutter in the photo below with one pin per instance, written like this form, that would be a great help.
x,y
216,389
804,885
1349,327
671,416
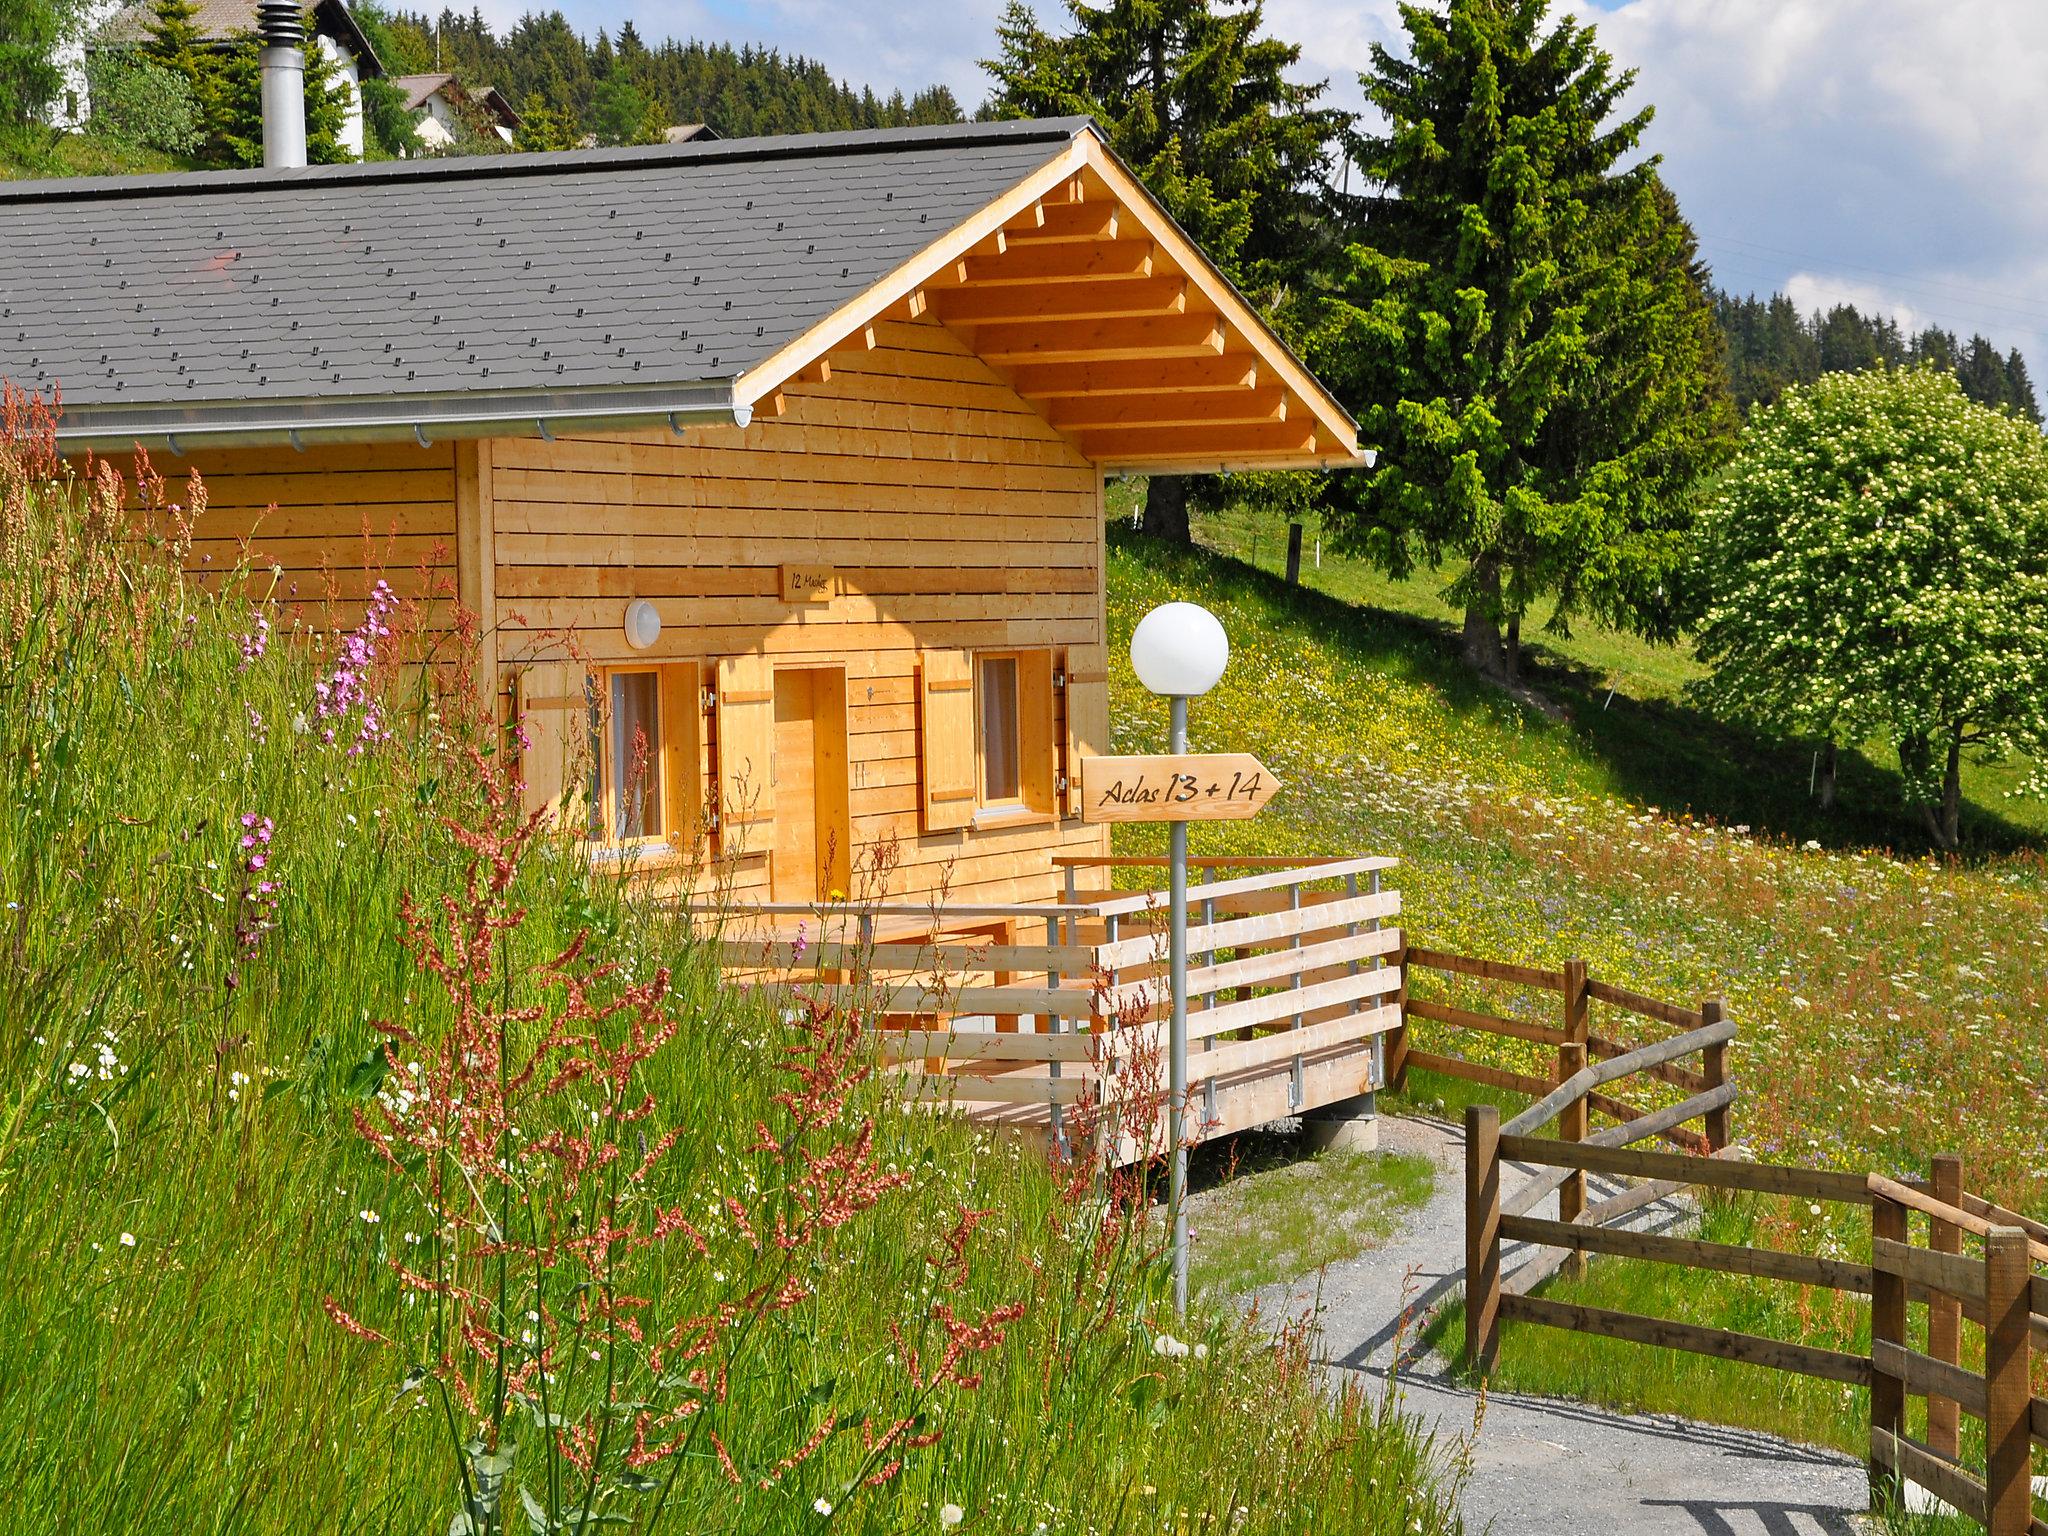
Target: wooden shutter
x,y
1037,743
945,727
551,708
746,742
1087,718
682,748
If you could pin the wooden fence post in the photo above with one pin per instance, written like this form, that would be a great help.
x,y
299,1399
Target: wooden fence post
x,y
1944,1312
1887,1325
2008,1460
1482,1237
1572,1121
1294,554
1572,1126
1714,1064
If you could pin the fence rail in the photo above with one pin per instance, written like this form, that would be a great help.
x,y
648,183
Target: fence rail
x,y
1577,1044
1998,1292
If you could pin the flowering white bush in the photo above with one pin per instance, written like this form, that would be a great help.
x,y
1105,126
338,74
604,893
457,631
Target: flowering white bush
x,y
1876,565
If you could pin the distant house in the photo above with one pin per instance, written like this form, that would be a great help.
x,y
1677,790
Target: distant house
x,y
222,23
686,133
439,104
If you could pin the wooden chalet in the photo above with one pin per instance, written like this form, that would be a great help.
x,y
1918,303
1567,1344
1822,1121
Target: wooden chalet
x,y
837,412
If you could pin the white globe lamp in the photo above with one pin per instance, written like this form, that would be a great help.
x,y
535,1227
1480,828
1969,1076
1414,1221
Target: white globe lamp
x,y
1179,650
643,624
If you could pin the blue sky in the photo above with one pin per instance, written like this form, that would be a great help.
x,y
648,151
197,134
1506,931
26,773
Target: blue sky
x,y
1892,153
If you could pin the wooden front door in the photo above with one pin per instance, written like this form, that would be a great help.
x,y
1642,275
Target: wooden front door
x,y
812,853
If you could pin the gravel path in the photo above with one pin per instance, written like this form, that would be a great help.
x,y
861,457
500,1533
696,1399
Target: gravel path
x,y
1549,1465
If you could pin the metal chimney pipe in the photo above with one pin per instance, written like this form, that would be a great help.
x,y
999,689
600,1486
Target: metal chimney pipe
x,y
281,30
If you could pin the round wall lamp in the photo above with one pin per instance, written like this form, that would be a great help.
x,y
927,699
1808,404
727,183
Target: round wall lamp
x,y
643,624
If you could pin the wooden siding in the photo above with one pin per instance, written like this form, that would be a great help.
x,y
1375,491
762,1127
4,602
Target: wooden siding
x,y
951,513
333,518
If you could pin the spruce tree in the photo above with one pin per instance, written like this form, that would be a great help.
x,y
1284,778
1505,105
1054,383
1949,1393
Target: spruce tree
x,y
1519,327
235,118
173,41
1197,101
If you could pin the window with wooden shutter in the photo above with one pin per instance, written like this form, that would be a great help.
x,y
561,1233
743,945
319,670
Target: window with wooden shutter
x,y
746,742
947,755
551,709
649,769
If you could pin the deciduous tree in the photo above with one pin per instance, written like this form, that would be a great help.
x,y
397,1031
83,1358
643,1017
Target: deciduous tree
x,y
29,78
1876,561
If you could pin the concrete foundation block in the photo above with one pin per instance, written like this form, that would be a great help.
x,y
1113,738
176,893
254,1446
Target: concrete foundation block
x,y
1350,1125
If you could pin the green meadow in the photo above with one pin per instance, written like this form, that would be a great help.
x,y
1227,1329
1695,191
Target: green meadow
x,y
1892,1004
367,1165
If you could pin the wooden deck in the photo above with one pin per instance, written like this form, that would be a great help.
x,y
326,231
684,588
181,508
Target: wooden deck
x,y
1038,1018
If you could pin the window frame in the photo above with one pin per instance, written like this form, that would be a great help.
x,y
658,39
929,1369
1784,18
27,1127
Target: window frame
x,y
1036,748
676,758
982,799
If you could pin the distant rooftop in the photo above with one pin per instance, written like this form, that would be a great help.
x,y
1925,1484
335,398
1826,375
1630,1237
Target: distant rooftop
x,y
222,21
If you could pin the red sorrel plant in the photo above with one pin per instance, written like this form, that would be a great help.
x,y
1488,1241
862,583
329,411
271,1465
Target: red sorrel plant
x,y
527,1136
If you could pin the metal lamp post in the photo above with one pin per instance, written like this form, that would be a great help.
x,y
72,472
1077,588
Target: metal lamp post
x,y
1179,650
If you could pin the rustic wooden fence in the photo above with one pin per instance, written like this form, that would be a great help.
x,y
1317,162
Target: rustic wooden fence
x,y
1579,1046
1997,1291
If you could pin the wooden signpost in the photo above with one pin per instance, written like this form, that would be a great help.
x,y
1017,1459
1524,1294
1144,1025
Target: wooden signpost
x,y
1215,786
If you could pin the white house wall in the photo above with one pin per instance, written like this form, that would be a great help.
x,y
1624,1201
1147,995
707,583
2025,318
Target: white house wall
x,y
344,65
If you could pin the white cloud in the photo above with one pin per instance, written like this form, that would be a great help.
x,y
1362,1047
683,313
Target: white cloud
x,y
1817,291
1896,149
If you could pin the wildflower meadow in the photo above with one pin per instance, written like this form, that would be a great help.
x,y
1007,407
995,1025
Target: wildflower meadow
x,y
368,1163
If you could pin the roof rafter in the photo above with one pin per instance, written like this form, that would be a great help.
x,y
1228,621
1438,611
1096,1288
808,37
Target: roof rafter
x,y
1070,301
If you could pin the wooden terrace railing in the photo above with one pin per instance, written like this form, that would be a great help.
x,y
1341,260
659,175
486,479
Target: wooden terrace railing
x,y
1293,981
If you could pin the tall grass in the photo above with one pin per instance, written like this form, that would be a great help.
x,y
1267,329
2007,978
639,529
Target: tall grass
x,y
211,837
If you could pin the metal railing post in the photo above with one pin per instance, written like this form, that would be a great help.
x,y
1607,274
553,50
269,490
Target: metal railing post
x,y
1209,1115
1297,1086
1054,1027
1379,1041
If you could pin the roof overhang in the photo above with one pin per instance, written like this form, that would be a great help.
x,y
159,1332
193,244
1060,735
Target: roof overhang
x,y
1079,289
418,418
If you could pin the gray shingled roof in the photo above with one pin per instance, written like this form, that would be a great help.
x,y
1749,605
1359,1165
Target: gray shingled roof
x,y
184,302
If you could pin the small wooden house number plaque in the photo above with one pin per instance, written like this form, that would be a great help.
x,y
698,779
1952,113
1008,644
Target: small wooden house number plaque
x,y
807,583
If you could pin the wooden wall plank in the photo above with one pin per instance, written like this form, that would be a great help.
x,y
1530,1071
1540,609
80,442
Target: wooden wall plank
x,y
954,517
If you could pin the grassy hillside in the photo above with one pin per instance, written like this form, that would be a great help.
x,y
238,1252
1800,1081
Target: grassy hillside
x,y
1626,698
365,1166
1890,1007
